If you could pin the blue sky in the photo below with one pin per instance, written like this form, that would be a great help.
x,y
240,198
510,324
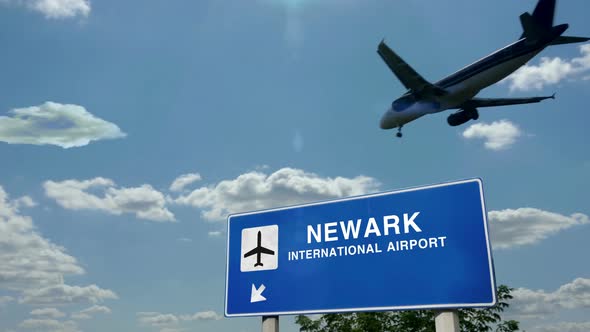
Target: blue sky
x,y
252,104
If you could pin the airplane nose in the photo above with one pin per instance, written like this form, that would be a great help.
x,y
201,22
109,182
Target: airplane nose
x,y
382,121
386,121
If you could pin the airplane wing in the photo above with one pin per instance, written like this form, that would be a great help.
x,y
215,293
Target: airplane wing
x,y
251,252
256,250
406,74
491,102
266,251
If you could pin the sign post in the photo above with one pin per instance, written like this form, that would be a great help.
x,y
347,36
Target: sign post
x,y
447,321
417,248
270,323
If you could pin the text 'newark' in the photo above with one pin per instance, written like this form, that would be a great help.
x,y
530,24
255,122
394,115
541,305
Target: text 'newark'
x,y
351,229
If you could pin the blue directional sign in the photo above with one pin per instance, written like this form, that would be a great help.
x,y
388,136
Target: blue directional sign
x,y
418,248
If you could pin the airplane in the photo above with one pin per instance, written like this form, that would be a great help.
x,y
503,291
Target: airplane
x,y
258,251
458,90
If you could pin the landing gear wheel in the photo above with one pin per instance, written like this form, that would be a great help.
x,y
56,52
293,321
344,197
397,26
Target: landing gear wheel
x,y
399,131
398,135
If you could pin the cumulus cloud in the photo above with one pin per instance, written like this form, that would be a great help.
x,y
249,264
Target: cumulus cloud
x,y
170,321
498,135
524,226
202,315
55,9
144,201
564,327
25,201
27,260
49,312
64,125
257,190
89,312
64,294
184,180
539,303
551,71
35,268
49,325
157,319
80,316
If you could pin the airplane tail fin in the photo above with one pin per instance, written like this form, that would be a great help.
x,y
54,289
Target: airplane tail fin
x,y
540,22
539,26
544,13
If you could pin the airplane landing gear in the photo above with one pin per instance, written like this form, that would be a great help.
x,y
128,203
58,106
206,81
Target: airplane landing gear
x,y
399,132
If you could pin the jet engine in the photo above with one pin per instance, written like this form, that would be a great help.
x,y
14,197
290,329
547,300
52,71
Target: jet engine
x,y
462,116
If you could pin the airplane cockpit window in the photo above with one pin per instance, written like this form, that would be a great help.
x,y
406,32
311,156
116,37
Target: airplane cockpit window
x,y
403,103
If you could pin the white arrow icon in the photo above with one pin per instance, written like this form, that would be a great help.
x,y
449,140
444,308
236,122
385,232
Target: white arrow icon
x,y
257,294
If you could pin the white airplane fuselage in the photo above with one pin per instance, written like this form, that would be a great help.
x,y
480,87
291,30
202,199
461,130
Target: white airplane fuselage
x,y
462,85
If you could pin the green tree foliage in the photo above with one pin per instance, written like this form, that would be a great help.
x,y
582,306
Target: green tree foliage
x,y
471,320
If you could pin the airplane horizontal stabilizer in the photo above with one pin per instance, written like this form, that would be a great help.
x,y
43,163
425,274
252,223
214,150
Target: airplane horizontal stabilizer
x,y
569,40
491,102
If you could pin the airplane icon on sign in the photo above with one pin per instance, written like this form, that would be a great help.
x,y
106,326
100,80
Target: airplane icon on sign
x,y
259,250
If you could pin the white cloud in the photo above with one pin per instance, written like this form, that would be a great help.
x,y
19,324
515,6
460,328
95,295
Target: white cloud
x,y
202,315
97,309
256,190
89,312
49,312
550,71
49,325
27,260
540,304
498,135
564,327
144,201
511,228
170,322
80,316
55,9
64,125
35,267
157,319
25,201
64,294
184,180
215,233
